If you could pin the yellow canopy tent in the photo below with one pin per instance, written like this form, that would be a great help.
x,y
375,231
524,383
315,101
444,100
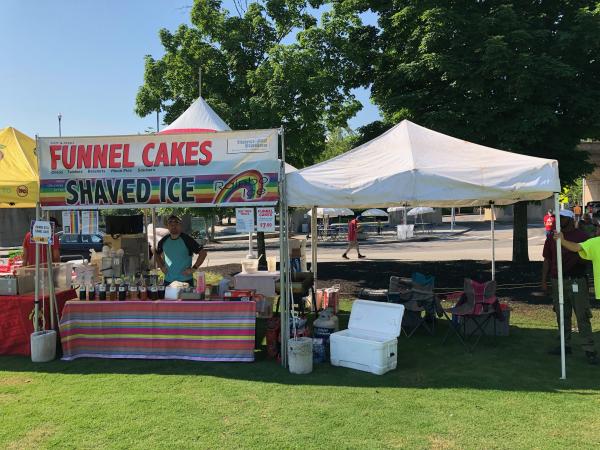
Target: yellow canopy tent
x,y
19,180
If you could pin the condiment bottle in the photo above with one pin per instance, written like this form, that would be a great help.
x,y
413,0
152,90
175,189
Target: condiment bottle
x,y
161,291
82,293
92,292
102,292
133,292
112,290
153,292
122,290
142,289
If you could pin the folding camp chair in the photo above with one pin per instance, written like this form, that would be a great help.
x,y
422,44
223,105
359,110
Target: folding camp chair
x,y
475,308
420,302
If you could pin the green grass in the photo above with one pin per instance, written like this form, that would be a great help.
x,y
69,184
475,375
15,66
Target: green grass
x,y
506,394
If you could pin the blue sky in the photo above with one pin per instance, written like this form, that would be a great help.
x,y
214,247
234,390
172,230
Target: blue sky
x,y
85,60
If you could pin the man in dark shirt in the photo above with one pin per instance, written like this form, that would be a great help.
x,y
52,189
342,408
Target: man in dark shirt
x,y
575,288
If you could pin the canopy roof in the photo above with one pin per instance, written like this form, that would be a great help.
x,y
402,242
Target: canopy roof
x,y
19,181
413,165
198,118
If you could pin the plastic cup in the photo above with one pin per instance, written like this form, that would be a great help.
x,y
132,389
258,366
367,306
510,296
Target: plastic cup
x,y
271,263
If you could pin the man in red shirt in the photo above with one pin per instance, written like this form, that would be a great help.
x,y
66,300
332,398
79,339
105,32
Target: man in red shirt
x,y
575,287
353,226
549,223
29,248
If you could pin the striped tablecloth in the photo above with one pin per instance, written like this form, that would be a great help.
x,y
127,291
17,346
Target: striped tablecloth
x,y
199,331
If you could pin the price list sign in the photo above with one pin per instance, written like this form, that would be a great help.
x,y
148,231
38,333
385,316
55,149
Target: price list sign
x,y
265,219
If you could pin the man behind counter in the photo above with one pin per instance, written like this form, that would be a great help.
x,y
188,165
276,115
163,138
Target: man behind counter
x,y
174,253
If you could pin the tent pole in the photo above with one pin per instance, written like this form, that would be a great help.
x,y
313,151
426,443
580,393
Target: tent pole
x,y
154,237
284,256
37,275
493,212
50,270
250,254
313,248
561,300
452,218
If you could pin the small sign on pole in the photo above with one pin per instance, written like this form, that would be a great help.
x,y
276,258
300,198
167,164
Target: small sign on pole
x,y
41,232
244,220
265,219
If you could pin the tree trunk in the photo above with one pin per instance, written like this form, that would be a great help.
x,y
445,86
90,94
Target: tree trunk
x,y
261,249
520,242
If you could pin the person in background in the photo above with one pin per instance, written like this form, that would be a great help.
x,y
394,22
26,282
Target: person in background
x,y
174,253
353,227
577,210
29,247
575,288
549,223
587,226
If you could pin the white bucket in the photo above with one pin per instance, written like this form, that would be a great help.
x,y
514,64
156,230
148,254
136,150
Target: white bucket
x,y
300,355
43,346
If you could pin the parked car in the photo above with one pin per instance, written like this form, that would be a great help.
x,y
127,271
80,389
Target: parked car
x,y
78,246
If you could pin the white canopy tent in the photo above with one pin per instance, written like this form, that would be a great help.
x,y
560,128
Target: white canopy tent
x,y
198,118
332,212
412,165
374,212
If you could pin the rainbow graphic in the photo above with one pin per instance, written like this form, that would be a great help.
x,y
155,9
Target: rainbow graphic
x,y
249,182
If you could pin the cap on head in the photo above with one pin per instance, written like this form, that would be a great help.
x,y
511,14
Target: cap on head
x,y
173,218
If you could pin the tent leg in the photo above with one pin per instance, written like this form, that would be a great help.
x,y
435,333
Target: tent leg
x,y
313,248
36,314
561,300
493,212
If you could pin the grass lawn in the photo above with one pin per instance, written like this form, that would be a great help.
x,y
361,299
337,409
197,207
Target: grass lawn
x,y
506,394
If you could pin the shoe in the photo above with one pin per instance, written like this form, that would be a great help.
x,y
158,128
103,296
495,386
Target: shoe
x,y
361,256
556,351
345,257
592,358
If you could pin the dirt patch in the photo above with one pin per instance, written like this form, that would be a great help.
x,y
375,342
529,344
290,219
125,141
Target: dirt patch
x,y
33,439
14,380
516,282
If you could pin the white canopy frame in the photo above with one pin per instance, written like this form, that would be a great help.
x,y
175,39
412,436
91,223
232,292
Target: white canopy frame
x,y
511,178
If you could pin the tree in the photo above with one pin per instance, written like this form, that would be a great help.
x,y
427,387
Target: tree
x,y
253,78
517,75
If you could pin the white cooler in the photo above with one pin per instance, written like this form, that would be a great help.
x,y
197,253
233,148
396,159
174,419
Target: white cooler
x,y
371,341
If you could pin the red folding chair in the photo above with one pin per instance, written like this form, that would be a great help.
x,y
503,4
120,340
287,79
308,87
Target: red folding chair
x,y
470,315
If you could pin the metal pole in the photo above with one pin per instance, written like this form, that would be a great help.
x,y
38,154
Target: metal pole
x,y
199,81
51,292
157,120
37,275
452,218
313,248
583,211
59,119
250,254
284,257
493,212
154,237
561,300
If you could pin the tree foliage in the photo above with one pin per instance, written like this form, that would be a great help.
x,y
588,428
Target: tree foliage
x,y
521,75
253,78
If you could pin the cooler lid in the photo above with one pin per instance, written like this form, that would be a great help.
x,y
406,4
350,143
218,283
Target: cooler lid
x,y
378,317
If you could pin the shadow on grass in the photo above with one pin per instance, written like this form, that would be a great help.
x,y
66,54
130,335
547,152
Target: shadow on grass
x,y
515,363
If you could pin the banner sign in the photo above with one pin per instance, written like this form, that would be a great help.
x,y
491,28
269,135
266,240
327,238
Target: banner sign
x,y
244,220
89,222
233,168
265,219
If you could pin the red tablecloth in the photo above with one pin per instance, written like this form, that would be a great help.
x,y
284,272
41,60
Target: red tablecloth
x,y
16,326
193,330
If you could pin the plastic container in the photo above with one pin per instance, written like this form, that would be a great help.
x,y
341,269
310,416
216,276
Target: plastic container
x,y
249,265
43,346
271,263
200,282
371,341
264,306
300,355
